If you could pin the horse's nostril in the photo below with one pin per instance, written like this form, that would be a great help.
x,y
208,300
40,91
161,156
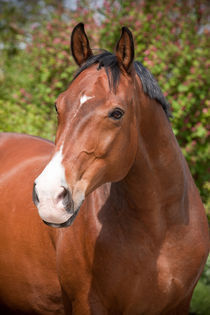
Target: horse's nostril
x,y
64,195
35,196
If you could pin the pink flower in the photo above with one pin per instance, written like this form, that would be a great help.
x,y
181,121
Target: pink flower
x,y
192,69
149,17
150,63
49,27
56,40
138,24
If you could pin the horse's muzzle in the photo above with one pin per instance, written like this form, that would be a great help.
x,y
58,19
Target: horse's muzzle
x,y
64,224
55,207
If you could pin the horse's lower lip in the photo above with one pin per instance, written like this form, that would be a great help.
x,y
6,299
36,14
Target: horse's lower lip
x,y
64,224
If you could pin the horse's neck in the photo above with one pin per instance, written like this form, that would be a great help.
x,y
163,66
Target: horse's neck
x,y
155,189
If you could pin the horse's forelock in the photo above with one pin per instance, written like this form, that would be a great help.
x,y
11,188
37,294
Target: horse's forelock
x,y
109,62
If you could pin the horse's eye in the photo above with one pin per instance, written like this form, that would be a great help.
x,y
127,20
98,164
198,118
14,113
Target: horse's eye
x,y
56,107
116,114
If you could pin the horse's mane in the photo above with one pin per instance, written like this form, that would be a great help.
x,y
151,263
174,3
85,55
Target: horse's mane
x,y
109,62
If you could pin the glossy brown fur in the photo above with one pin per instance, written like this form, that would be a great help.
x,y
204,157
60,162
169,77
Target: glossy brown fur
x,y
28,279
140,240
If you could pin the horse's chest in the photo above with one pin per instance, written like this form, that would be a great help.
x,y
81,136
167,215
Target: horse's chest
x,y
121,276
129,281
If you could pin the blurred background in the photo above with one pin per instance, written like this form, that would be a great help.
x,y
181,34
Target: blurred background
x,y
171,39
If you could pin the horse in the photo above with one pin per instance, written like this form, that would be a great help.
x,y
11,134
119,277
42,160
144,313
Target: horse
x,y
120,226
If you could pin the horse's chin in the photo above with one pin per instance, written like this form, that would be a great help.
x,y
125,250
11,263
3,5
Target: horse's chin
x,y
64,224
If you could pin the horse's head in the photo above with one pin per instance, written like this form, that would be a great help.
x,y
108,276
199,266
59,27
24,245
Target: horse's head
x,y
97,133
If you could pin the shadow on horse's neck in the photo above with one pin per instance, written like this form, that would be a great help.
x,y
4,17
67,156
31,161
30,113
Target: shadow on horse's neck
x,y
155,190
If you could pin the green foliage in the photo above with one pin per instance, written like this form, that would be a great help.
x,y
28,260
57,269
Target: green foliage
x,y
206,274
17,16
200,304
32,78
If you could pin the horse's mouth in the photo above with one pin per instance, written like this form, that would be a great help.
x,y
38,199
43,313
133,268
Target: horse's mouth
x,y
64,224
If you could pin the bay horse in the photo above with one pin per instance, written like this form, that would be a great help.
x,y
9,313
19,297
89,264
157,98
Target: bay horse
x,y
125,230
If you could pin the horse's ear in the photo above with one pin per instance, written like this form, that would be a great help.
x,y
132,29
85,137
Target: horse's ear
x,y
80,47
125,49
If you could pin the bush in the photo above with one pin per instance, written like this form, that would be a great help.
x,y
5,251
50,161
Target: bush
x,y
200,304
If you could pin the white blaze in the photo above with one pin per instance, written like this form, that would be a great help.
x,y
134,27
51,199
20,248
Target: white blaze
x,y
50,183
84,98
54,174
48,186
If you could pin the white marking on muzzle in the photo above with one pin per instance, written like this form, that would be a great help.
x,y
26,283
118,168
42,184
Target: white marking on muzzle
x,y
48,186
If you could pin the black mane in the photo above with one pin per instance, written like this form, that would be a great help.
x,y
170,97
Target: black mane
x,y
110,63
